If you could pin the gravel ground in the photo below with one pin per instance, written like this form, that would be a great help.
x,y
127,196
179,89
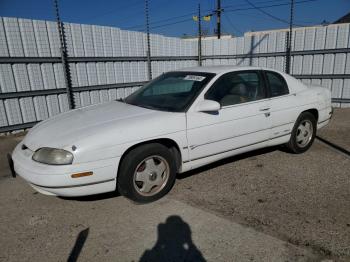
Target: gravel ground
x,y
302,200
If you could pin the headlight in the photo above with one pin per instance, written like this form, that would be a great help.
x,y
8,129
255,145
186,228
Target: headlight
x,y
53,156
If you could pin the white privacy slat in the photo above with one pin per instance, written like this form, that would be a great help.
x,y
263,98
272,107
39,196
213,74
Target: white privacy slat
x,y
299,36
126,72
248,44
53,105
270,63
63,102
54,40
59,76
309,42
13,36
77,101
69,39
27,109
35,77
110,73
7,81
86,31
272,42
232,46
50,79
13,111
317,64
342,36
124,43
28,38
21,77
320,37
73,74
120,93
3,43
118,69
101,73
347,64
346,89
331,36
82,74
97,40
40,107
264,40
316,82
107,41
104,97
116,43
337,86
77,39
281,42
134,72
339,63
85,99
279,63
307,64
42,38
92,73
112,94
328,64
95,97
3,116
240,45
297,65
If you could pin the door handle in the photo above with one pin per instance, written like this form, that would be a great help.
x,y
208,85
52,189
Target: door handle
x,y
264,109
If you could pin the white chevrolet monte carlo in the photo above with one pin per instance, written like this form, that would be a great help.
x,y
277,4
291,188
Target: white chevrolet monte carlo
x,y
179,121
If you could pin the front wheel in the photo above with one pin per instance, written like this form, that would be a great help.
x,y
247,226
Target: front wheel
x,y
303,134
147,173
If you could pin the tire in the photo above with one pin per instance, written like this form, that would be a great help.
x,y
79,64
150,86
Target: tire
x,y
146,173
301,139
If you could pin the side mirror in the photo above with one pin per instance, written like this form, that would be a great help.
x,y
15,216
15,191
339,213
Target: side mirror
x,y
208,106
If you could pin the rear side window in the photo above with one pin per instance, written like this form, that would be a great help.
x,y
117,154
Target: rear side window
x,y
278,86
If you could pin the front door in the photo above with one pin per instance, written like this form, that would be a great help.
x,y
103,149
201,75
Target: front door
x,y
242,121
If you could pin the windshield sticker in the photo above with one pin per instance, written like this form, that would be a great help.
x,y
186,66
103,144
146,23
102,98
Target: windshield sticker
x,y
194,78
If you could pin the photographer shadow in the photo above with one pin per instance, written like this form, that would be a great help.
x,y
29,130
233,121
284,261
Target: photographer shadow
x,y
174,243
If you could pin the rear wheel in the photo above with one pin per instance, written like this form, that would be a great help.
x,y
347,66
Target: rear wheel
x,y
147,173
303,134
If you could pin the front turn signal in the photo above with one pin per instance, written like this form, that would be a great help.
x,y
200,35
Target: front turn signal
x,y
82,174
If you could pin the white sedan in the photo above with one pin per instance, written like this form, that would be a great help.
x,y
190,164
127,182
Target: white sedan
x,y
179,121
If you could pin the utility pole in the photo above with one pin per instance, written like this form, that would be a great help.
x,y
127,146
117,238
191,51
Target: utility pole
x,y
199,36
289,38
65,64
149,63
218,18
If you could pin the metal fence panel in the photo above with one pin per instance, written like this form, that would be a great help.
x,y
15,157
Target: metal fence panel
x,y
98,50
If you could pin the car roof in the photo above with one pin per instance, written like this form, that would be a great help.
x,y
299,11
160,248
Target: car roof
x,y
219,69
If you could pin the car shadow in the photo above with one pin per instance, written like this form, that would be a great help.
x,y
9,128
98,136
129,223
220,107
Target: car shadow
x,y
228,160
188,173
92,198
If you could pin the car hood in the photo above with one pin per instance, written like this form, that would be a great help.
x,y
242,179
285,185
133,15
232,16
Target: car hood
x,y
110,123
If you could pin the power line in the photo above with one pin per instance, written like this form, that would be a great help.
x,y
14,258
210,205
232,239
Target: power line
x,y
267,6
232,25
140,27
272,16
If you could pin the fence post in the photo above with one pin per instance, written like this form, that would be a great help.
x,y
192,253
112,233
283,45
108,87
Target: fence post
x,y
199,36
149,63
65,64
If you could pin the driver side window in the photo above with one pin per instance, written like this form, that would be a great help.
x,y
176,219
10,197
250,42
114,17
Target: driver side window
x,y
237,87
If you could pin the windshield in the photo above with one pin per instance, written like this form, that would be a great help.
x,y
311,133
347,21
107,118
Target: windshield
x,y
173,91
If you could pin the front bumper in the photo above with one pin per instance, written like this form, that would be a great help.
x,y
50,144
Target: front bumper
x,y
57,180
